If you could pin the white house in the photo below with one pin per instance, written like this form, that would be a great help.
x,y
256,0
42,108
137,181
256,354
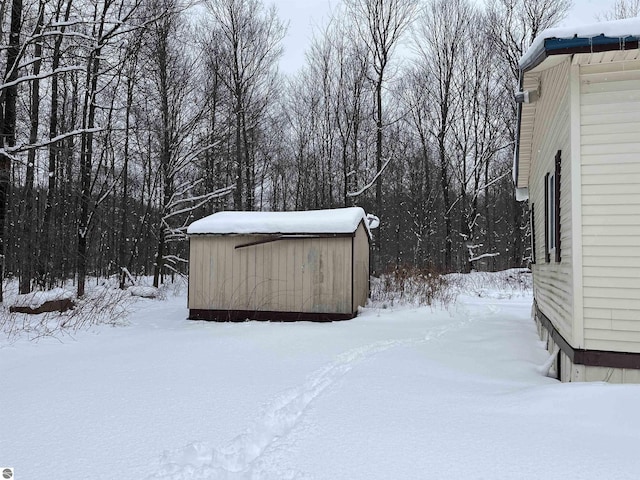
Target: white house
x,y
577,161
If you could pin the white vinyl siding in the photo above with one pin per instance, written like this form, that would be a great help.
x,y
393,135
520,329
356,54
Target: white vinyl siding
x,y
553,286
610,145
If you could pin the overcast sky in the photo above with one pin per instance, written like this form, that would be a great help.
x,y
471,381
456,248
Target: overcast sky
x,y
304,15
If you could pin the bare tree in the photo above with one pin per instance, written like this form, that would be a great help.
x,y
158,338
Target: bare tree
x,y
441,53
350,105
28,217
106,25
46,251
147,131
621,9
513,24
249,45
380,24
8,98
421,167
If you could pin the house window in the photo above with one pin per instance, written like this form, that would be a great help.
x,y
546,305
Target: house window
x,y
552,212
532,220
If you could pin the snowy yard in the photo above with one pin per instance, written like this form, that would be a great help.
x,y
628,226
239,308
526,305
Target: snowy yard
x,y
402,393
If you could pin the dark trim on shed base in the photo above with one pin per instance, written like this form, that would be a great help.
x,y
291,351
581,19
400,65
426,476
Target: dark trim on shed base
x,y
244,315
590,358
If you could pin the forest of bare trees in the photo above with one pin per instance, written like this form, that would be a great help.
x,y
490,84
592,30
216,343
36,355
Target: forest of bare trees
x,y
122,121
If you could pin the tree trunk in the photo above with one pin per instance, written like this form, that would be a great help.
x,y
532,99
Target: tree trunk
x,y
8,126
44,259
237,194
28,219
86,154
122,245
165,152
248,165
444,184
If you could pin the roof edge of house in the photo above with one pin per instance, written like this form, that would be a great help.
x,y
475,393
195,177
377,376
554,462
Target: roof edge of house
x,y
577,44
565,46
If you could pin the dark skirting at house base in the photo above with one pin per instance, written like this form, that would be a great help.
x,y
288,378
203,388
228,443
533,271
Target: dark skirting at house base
x,y
590,358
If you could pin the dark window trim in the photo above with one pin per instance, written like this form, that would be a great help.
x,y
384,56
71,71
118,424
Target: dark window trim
x,y
547,255
557,204
532,219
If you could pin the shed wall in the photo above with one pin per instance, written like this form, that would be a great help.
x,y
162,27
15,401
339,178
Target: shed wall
x,y
610,163
360,268
311,275
553,285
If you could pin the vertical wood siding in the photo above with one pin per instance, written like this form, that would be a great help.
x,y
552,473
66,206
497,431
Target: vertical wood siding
x,y
553,286
310,275
610,145
360,268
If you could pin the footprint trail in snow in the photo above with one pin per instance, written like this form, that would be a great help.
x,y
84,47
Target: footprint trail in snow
x,y
238,459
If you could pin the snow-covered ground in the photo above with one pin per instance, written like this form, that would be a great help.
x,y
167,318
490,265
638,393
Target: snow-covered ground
x,y
403,393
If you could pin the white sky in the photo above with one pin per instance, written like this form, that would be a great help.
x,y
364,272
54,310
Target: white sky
x,y
304,15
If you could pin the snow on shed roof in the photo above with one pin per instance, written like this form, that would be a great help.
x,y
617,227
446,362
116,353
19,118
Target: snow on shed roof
x,y
600,36
339,220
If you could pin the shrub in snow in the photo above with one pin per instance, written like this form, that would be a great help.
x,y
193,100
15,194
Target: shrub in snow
x,y
100,305
410,286
504,284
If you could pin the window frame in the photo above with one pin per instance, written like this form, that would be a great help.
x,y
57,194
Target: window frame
x,y
552,210
532,220
551,214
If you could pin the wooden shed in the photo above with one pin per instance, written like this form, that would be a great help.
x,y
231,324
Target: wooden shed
x,y
578,164
280,266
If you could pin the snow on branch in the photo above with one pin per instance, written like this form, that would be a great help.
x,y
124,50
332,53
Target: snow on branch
x,y
29,78
169,267
182,162
183,189
480,189
200,200
484,255
495,180
8,153
174,259
371,183
26,147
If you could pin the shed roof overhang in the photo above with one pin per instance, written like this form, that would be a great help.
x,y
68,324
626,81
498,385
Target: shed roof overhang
x,y
292,224
549,49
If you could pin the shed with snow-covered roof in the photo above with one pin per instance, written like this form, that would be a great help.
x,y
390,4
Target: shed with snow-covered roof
x,y
578,162
280,266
